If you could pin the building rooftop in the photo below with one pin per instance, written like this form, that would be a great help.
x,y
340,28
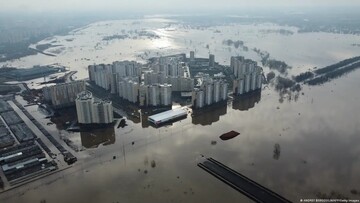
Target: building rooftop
x,y
84,95
167,115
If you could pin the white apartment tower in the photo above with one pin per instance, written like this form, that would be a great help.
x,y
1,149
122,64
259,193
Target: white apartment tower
x,y
248,76
89,112
165,94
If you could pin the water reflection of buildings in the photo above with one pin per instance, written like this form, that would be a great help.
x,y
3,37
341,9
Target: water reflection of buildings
x,y
94,138
246,102
144,120
141,115
209,115
205,116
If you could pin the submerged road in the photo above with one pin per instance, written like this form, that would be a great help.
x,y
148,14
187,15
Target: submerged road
x,y
251,189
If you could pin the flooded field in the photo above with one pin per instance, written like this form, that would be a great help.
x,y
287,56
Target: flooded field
x,y
298,147
108,41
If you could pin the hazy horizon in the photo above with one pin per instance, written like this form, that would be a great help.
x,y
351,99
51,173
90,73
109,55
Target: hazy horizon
x,y
165,6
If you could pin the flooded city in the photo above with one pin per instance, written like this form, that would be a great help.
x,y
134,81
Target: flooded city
x,y
299,144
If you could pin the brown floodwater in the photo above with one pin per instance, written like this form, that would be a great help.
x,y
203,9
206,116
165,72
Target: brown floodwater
x,y
296,148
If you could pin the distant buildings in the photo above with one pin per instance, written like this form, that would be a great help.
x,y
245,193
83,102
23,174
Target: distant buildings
x,y
108,76
212,60
90,111
31,73
128,89
248,76
171,70
192,55
63,95
210,92
152,86
180,83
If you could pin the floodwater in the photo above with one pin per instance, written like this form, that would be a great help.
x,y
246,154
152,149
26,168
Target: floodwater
x,y
85,46
297,147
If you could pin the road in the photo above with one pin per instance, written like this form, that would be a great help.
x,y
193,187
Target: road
x,y
246,186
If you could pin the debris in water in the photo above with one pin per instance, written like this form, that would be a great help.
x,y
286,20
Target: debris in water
x,y
229,135
276,155
153,164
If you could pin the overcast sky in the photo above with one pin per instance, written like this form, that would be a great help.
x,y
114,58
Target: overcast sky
x,y
161,5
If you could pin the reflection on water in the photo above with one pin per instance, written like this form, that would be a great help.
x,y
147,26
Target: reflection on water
x,y
276,155
322,144
144,119
210,115
298,150
64,118
246,102
94,138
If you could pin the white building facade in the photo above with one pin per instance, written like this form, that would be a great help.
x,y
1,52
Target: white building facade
x,y
89,111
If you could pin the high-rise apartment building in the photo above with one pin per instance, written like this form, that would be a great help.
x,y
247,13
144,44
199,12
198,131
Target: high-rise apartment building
x,y
63,95
210,92
248,76
90,111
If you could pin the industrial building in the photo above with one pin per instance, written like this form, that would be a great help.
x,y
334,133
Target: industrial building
x,y
167,116
90,111
25,159
17,126
210,92
63,95
4,106
5,136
